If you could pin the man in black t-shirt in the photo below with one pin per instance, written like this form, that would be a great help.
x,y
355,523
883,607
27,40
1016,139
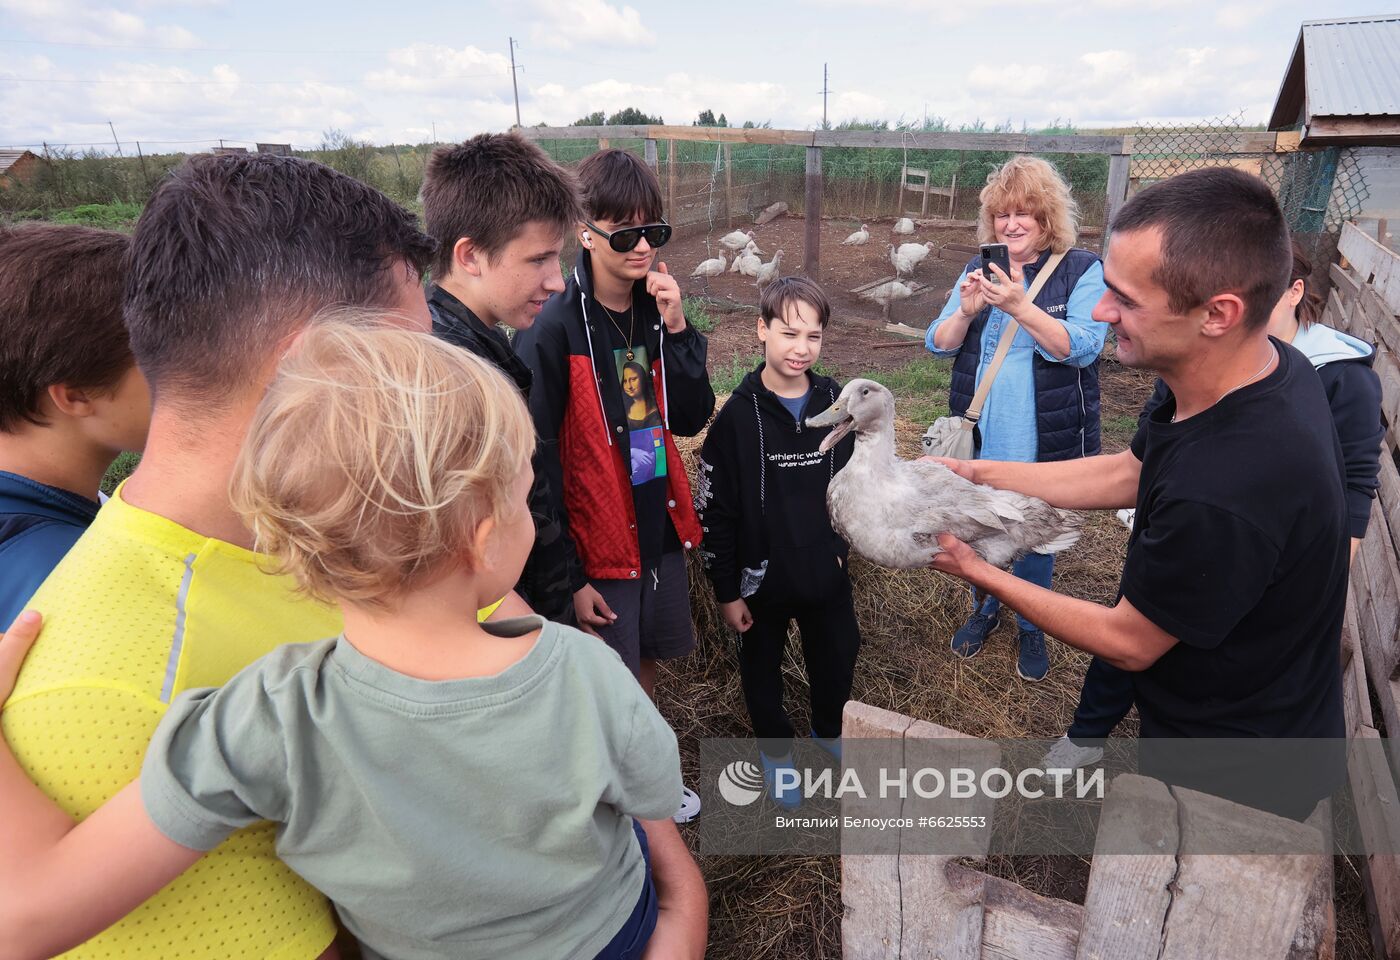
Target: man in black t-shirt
x,y
1230,607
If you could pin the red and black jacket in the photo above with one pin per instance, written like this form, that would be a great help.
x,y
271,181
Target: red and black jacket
x,y
578,409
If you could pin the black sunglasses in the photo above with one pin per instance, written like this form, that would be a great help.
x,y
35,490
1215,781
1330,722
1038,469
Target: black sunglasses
x,y
626,239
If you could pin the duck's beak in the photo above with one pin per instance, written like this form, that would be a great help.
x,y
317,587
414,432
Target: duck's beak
x,y
836,417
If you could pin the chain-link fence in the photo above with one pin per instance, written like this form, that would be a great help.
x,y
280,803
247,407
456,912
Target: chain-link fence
x,y
1318,189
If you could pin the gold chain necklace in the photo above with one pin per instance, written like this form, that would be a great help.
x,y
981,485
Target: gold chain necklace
x,y
1244,383
631,325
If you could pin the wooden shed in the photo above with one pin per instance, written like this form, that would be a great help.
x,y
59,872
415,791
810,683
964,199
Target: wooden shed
x,y
1342,85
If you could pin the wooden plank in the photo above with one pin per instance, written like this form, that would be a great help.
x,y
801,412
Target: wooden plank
x,y
1378,821
1343,281
1287,141
1323,131
1167,143
1372,263
1129,896
812,242
1356,698
649,153
943,914
1116,191
1316,936
728,187
1020,925
584,133
1242,905
872,918
1147,167
1388,371
1378,602
764,135
1003,142
671,178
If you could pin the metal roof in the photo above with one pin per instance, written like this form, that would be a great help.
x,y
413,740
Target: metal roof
x,y
1351,67
8,158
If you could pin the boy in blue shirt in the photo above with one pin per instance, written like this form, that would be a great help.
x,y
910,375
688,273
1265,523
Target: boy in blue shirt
x,y
71,397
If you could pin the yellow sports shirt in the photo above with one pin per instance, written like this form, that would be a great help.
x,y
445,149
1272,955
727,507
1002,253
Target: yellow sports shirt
x,y
140,609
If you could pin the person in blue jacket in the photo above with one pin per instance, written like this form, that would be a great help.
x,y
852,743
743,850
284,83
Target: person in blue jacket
x,y
1344,364
71,396
1044,402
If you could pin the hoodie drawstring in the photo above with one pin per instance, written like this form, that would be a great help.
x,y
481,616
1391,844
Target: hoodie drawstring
x,y
592,360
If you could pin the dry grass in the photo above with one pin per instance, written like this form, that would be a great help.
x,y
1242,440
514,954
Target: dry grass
x,y
790,907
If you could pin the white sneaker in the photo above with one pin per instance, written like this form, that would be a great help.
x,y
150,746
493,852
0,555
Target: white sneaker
x,y
1127,516
690,806
1065,754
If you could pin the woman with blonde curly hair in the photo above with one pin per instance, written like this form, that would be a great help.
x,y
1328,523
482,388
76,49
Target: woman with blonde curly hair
x,y
1044,403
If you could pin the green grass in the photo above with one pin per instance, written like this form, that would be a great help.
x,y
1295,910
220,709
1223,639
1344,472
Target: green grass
x,y
698,315
119,470
920,387
1121,428
728,375
112,216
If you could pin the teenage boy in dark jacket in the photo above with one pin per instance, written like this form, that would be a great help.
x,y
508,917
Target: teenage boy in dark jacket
x,y
617,370
769,546
499,209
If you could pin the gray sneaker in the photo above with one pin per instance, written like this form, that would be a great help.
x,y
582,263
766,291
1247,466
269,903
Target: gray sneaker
x,y
1065,754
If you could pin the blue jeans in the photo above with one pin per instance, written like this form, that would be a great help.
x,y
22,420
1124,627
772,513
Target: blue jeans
x,y
631,940
1033,568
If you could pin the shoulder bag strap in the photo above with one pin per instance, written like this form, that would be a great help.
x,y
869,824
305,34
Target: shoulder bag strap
x,y
974,410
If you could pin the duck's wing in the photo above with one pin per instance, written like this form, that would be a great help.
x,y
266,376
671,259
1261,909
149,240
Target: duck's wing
x,y
944,494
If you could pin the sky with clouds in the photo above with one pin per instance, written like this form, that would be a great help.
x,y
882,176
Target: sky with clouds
x,y
165,71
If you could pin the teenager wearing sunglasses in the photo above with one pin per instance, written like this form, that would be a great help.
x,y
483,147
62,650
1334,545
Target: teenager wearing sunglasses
x,y
617,340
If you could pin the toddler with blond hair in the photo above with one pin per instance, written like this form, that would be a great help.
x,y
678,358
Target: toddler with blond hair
x,y
457,789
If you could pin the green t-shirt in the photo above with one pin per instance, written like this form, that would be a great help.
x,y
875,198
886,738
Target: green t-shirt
x,y
482,817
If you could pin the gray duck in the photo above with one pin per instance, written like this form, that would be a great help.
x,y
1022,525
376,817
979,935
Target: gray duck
x,y
891,511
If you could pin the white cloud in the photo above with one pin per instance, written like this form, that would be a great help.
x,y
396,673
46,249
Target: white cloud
x,y
427,68
567,23
69,21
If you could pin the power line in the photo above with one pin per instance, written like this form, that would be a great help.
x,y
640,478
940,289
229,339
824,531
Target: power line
x,y
226,83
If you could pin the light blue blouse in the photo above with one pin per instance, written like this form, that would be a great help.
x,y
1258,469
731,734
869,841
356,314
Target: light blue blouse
x,y
1008,417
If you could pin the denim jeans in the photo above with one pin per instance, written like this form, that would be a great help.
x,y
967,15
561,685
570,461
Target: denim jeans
x,y
1033,568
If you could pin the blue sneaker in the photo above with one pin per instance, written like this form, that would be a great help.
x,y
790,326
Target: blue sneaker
x,y
1032,662
787,797
967,642
830,745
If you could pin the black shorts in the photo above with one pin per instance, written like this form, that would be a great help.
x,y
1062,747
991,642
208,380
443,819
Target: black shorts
x,y
653,613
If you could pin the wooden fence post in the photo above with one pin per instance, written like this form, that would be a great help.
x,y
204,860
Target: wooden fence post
x,y
729,188
671,180
649,152
1117,192
811,248
603,143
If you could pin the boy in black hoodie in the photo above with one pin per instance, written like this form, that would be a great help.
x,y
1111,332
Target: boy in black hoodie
x,y
769,546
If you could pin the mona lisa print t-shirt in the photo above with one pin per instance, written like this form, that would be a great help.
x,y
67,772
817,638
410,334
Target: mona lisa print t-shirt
x,y
646,442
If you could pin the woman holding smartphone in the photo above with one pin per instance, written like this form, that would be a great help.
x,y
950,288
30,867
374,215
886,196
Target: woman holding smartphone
x,y
1043,404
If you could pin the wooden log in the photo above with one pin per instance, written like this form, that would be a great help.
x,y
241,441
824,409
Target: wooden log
x,y
1129,896
872,919
1378,821
1020,925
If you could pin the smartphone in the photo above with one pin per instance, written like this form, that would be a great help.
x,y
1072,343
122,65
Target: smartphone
x,y
998,254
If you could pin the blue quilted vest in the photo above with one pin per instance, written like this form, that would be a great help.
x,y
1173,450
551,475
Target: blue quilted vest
x,y
1066,397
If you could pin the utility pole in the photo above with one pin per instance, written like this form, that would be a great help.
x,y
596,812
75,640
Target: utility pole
x,y
114,137
515,88
824,93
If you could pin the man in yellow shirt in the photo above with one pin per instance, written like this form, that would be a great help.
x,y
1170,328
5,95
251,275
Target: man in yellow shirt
x,y
232,257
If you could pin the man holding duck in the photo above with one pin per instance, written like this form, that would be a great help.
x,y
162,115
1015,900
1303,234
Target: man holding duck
x,y
1231,600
